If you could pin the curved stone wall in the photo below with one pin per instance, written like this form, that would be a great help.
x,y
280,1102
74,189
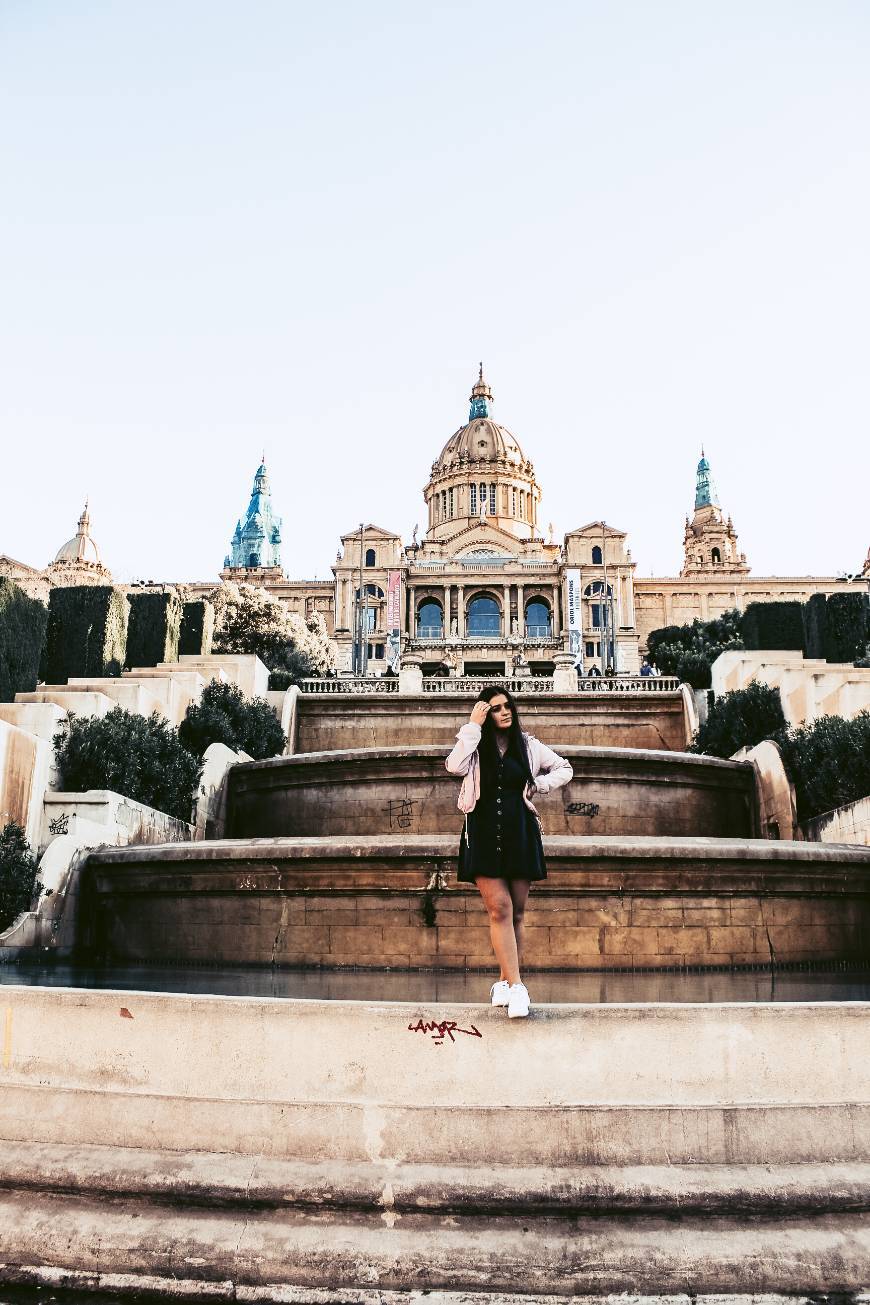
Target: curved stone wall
x,y
617,903
399,791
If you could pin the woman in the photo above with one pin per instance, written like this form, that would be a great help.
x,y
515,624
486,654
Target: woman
x,y
501,848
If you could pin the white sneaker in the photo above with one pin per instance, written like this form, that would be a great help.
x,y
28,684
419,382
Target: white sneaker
x,y
518,1001
499,993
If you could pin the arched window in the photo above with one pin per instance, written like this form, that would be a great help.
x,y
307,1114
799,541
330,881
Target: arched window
x,y
715,556
596,588
254,559
484,618
430,620
596,555
538,619
370,557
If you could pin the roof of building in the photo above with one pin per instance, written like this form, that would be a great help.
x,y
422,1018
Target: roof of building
x,y
481,439
82,547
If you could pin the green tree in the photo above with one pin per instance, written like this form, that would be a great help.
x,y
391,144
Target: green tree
x,y
828,762
740,720
689,651
250,620
224,715
17,874
139,756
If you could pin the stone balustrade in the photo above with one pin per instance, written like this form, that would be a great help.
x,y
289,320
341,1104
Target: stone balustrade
x,y
472,684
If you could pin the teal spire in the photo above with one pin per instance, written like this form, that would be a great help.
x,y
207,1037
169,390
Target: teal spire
x,y
256,541
481,397
705,490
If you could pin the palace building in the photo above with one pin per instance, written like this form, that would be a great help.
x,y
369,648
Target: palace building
x,y
484,592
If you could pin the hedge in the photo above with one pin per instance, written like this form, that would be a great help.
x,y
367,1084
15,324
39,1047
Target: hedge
x,y
22,636
17,874
770,627
816,627
197,629
848,627
139,756
153,629
86,634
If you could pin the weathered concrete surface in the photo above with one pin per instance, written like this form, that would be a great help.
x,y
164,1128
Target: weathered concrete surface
x,y
26,767
325,722
608,903
124,820
849,824
320,1081
288,1145
393,791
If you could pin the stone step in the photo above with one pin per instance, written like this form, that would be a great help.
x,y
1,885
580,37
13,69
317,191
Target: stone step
x,y
140,1241
223,1179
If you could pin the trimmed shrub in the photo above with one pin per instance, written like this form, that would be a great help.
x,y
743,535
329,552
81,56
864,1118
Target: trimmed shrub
x,y
828,762
225,715
197,629
848,627
773,627
740,720
153,629
86,634
17,874
815,616
139,756
22,635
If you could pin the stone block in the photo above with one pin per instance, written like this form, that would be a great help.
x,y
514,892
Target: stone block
x,y
631,941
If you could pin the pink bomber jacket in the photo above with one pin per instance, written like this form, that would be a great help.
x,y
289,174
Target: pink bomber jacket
x,y
550,771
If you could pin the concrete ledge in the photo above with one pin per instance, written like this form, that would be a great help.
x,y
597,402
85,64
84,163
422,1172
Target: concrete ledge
x,y
389,1252
221,1179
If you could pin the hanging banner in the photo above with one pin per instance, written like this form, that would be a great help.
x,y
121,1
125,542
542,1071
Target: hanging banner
x,y
575,616
394,618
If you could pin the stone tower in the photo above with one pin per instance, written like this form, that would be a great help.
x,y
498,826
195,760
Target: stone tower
x,y
710,542
256,544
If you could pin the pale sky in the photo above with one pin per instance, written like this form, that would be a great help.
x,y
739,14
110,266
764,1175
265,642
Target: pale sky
x,y
227,227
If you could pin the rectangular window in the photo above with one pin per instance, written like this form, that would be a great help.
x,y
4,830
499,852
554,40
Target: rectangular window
x,y
379,651
522,507
596,616
590,649
492,500
473,508
451,502
513,502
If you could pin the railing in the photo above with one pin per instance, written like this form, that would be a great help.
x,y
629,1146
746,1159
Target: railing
x,y
629,684
352,684
538,632
468,685
430,632
624,685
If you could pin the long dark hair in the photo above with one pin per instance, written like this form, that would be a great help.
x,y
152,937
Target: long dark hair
x,y
488,748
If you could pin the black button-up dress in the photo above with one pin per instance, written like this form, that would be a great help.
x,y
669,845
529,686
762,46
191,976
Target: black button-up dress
x,y
504,838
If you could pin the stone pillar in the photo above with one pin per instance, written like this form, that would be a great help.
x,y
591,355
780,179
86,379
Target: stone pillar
x,y
506,630
411,674
565,676
705,604
521,616
447,611
460,609
557,623
412,619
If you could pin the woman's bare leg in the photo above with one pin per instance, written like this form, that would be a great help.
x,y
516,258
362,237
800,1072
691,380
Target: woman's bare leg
x,y
519,891
500,909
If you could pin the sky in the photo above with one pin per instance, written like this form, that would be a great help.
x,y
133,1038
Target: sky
x,y
231,228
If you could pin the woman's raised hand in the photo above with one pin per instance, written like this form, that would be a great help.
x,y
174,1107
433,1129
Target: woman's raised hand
x,y
479,713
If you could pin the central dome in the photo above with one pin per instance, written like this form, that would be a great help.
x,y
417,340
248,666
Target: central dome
x,y
81,548
481,439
